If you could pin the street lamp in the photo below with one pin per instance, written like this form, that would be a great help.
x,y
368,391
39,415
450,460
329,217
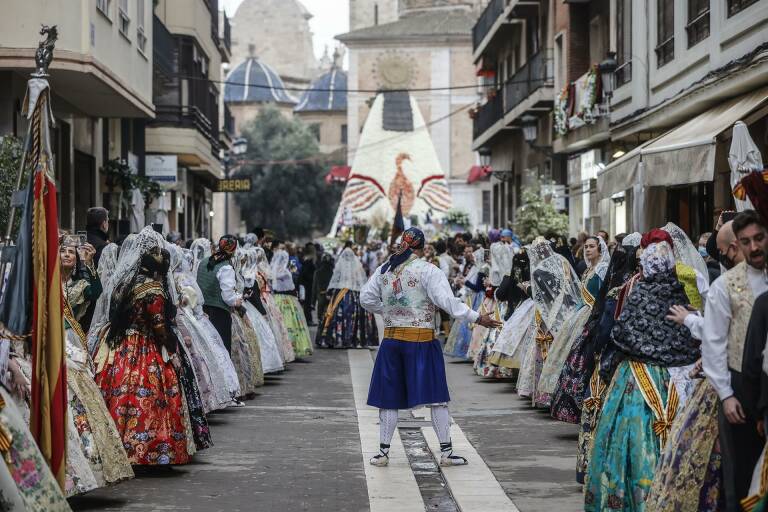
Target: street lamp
x,y
608,76
530,127
485,156
239,147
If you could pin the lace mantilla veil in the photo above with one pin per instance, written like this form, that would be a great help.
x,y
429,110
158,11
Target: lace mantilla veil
x,y
201,249
348,272
555,287
282,281
684,249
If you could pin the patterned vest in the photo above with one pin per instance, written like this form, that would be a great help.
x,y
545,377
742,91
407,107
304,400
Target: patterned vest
x,y
742,300
412,308
209,284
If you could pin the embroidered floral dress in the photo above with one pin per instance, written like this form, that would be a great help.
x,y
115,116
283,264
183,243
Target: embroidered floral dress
x,y
26,482
141,388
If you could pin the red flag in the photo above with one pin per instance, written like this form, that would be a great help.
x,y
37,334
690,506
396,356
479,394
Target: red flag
x,y
48,408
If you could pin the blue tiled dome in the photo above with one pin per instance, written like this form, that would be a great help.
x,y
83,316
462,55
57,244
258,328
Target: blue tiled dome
x,y
255,81
329,92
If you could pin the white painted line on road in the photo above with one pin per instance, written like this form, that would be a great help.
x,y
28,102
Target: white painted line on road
x,y
473,487
297,408
394,487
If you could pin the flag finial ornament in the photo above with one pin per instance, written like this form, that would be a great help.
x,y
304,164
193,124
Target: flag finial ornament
x,y
44,53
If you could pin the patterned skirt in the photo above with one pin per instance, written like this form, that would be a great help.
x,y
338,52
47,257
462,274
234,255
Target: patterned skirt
x,y
457,343
295,323
246,355
26,482
346,324
277,324
622,464
689,473
144,398
566,339
271,358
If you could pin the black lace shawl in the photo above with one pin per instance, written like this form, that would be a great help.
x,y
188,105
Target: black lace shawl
x,y
642,333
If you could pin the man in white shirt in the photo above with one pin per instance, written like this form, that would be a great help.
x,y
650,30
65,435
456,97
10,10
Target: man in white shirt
x,y
743,244
409,370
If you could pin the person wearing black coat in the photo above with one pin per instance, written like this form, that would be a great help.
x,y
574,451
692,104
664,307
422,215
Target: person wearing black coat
x,y
306,279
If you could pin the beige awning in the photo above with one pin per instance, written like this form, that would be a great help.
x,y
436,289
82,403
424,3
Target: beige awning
x,y
683,155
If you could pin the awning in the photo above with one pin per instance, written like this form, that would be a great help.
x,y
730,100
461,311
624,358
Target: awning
x,y
478,173
338,174
683,155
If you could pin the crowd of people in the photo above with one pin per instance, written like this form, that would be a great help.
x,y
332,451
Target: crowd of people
x,y
652,345
159,334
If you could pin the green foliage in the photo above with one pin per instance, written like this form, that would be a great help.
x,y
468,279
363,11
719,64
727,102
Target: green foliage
x,y
457,217
538,217
119,175
289,194
11,151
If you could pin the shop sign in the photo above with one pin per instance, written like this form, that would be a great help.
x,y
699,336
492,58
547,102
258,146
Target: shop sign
x,y
162,167
234,185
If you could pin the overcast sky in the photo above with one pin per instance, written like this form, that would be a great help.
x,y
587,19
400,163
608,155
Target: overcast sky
x,y
330,17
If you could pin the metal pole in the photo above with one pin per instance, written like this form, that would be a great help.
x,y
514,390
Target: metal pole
x,y
226,198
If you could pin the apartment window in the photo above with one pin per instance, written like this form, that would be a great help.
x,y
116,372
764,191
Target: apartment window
x,y
623,41
141,37
486,207
736,6
103,7
665,31
125,20
315,129
560,69
343,134
698,21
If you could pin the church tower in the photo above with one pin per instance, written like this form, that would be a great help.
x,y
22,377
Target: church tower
x,y
368,13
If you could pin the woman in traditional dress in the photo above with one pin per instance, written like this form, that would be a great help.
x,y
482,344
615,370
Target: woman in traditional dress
x,y
285,297
210,376
642,400
471,283
555,291
98,436
345,323
271,358
195,297
141,388
274,315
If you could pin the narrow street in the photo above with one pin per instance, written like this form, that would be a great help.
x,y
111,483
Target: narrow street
x,y
297,447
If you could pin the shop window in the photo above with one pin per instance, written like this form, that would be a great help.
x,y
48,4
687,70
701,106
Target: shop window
x,y
344,134
736,6
623,42
665,31
698,21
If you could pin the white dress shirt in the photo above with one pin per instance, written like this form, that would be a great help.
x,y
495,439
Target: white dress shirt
x,y
226,277
716,324
436,287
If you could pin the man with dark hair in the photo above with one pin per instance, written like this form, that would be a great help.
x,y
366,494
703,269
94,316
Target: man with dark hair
x,y
97,229
409,369
728,310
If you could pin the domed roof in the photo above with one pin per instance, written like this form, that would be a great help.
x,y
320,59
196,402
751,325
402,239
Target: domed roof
x,y
255,81
328,92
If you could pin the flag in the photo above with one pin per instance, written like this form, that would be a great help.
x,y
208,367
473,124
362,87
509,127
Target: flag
x,y
398,226
33,303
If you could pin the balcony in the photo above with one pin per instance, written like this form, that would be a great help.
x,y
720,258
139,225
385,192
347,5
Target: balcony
x,y
185,116
488,114
164,49
226,33
531,88
486,21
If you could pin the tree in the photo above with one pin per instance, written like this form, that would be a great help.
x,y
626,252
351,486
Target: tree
x,y
538,217
11,150
289,194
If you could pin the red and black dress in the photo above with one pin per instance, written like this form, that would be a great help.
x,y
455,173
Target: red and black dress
x,y
140,386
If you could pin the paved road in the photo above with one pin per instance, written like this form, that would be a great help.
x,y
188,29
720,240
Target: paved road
x,y
296,447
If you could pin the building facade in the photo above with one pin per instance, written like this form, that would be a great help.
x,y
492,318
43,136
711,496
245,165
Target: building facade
x,y
101,81
428,46
512,50
190,44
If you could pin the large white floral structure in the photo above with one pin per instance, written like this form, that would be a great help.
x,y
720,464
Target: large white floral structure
x,y
395,161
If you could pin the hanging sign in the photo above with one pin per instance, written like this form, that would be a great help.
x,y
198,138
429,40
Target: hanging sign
x,y
234,185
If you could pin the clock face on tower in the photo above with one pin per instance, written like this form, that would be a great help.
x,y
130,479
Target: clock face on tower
x,y
395,70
